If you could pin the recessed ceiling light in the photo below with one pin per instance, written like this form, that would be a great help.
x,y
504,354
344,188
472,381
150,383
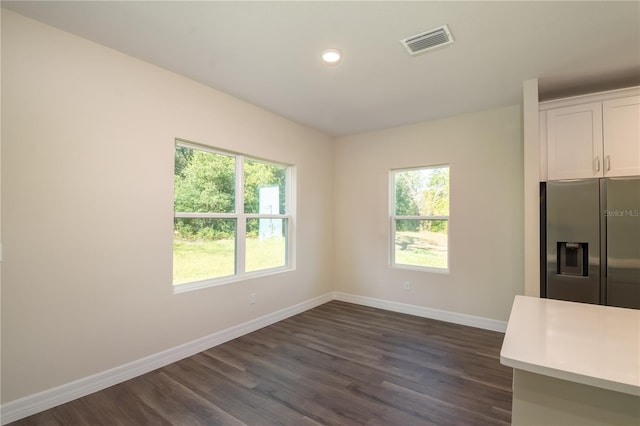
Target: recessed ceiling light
x,y
331,56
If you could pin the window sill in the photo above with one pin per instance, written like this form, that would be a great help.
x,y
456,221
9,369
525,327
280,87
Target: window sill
x,y
197,285
421,269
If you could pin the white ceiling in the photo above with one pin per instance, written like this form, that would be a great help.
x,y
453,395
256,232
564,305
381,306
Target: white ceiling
x,y
267,52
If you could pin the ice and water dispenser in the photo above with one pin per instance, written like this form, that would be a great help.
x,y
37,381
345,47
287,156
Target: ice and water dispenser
x,y
573,258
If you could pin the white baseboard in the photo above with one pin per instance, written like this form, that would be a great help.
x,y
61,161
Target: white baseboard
x,y
421,311
32,404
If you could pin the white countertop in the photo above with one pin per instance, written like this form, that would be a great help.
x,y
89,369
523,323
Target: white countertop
x,y
589,344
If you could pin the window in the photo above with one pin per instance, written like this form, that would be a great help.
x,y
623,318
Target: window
x,y
232,216
420,218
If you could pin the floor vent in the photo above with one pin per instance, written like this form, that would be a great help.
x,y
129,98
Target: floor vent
x,y
428,40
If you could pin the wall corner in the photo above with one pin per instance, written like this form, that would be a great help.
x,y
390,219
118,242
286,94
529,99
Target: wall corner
x,y
531,188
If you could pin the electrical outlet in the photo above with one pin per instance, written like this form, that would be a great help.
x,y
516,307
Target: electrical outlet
x,y
252,298
407,286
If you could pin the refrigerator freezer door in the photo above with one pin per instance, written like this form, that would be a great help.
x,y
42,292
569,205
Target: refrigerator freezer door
x,y
622,216
573,240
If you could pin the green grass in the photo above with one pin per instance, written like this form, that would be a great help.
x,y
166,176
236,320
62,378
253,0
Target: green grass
x,y
423,257
200,260
265,254
423,248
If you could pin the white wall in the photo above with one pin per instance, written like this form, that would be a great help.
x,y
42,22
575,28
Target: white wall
x,y
87,204
484,151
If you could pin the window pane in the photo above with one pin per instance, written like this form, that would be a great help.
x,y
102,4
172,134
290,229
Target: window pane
x,y
266,244
203,181
421,243
422,192
203,249
264,188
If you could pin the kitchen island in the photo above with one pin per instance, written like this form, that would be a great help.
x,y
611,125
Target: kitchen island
x,y
573,363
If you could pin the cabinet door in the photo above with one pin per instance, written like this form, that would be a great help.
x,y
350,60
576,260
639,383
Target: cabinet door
x,y
621,127
574,141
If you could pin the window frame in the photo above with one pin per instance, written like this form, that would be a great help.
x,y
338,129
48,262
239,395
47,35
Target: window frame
x,y
393,218
241,218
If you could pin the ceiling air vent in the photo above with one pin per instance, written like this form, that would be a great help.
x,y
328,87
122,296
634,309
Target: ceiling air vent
x,y
431,39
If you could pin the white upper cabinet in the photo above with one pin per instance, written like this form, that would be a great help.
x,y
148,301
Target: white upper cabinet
x,y
592,136
574,141
621,130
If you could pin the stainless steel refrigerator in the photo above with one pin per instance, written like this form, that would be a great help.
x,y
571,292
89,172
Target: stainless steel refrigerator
x,y
591,232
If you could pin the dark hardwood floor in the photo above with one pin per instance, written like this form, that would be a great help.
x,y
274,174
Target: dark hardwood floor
x,y
337,364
